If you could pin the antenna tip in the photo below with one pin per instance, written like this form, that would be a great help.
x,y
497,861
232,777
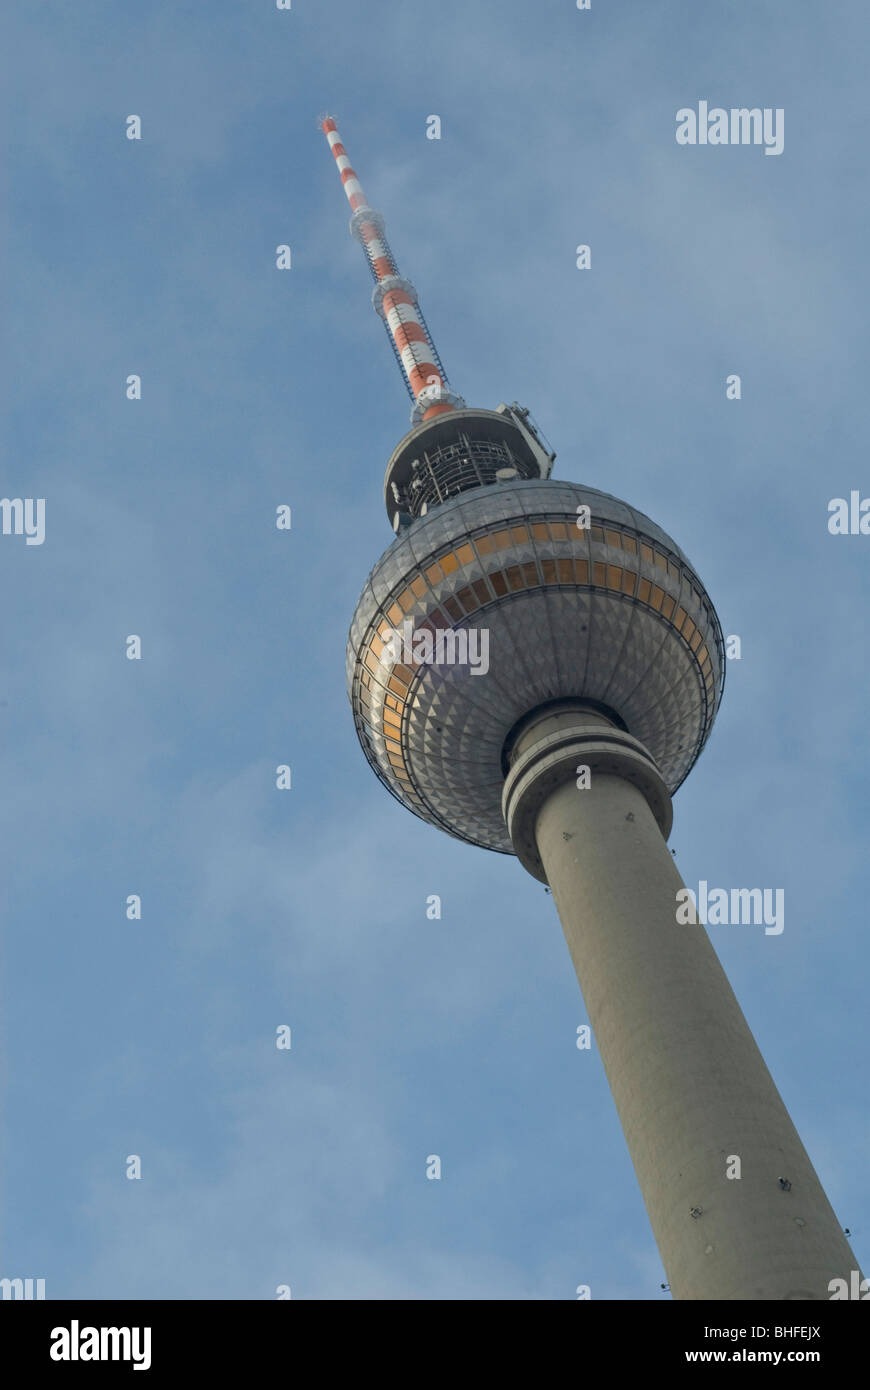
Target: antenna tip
x,y
326,123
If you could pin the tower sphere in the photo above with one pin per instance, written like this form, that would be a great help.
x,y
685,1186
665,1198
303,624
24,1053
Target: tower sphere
x,y
611,612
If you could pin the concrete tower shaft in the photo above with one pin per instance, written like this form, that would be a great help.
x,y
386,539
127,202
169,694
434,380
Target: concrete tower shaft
x,y
690,1085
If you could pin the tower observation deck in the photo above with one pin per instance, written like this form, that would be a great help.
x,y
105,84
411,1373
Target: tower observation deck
x,y
604,673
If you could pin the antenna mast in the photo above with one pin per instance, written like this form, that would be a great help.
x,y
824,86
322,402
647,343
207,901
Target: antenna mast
x,y
395,299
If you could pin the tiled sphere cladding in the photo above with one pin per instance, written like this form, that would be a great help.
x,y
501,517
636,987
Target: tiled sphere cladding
x,y
613,613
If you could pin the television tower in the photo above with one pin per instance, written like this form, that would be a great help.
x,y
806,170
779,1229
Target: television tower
x,y
605,672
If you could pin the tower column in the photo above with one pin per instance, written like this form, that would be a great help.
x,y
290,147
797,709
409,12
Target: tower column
x,y
690,1085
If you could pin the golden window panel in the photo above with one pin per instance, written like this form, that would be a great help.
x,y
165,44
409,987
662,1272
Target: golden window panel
x,y
519,535
448,562
614,577
596,534
613,538
465,555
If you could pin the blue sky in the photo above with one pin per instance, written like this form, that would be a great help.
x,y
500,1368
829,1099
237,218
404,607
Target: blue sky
x,y
307,908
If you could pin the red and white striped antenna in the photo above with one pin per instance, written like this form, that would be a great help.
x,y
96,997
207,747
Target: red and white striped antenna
x,y
394,298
